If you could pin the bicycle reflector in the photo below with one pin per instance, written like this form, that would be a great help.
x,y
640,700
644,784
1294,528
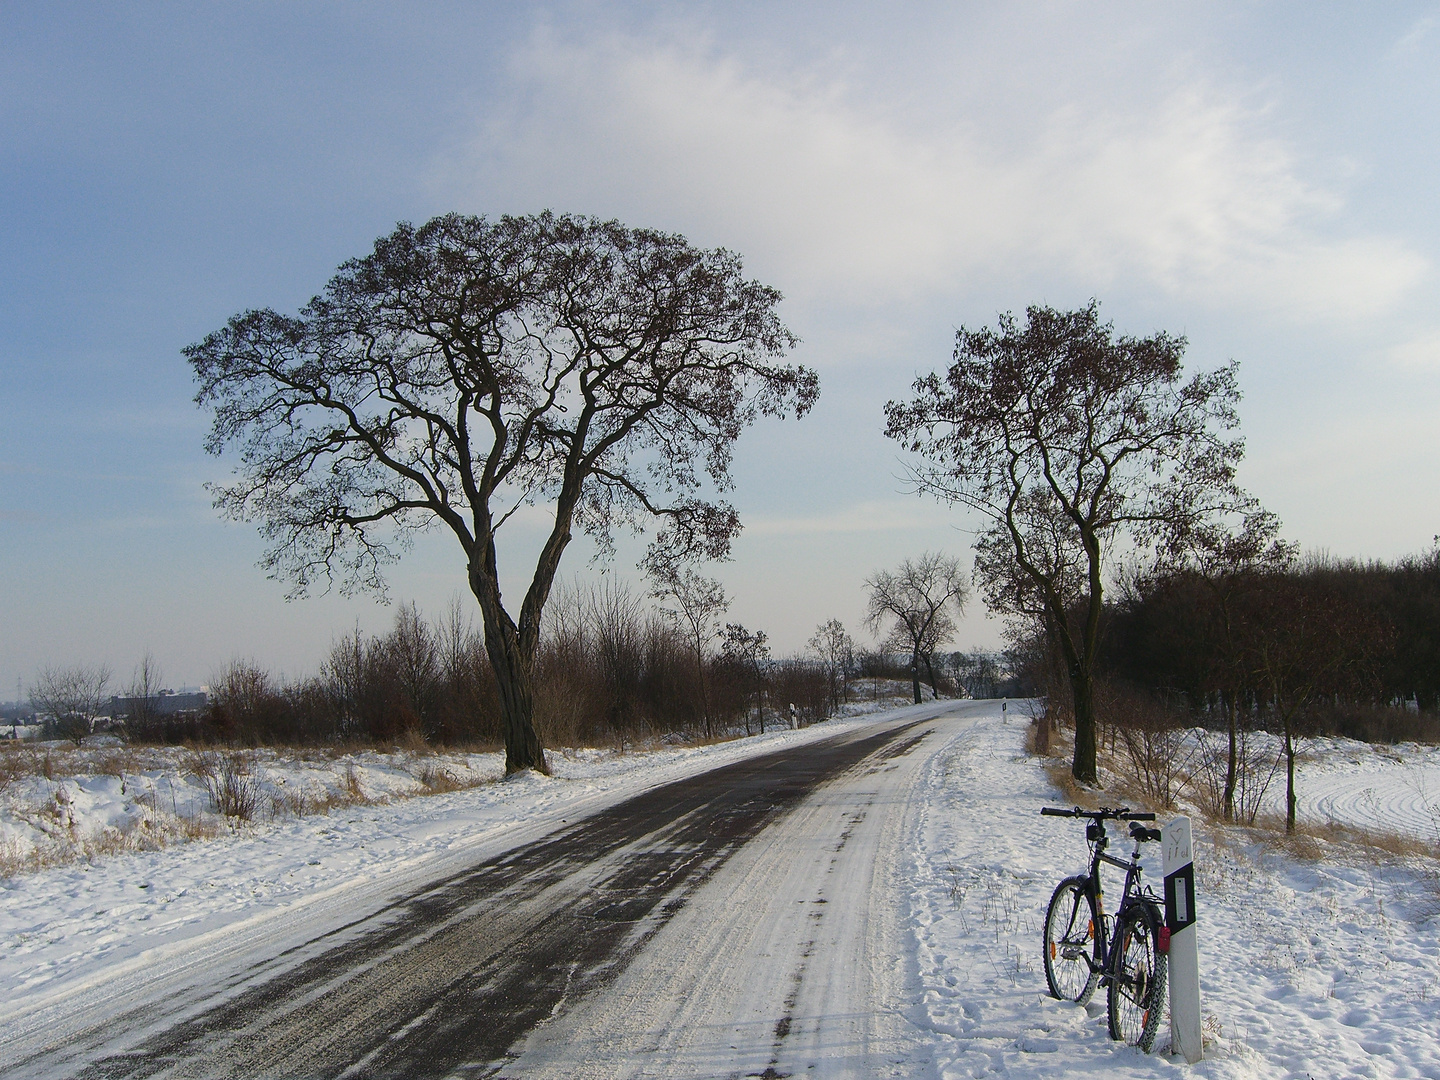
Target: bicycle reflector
x,y
1162,940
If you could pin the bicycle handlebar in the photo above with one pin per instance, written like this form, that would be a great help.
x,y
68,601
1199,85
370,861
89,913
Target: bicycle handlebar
x,y
1105,813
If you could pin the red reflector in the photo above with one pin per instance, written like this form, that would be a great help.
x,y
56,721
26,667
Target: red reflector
x,y
1162,940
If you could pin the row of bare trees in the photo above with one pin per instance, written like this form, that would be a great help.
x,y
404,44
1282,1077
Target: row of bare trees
x,y
1296,646
1266,643
610,669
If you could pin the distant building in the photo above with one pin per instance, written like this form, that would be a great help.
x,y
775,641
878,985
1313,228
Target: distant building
x,y
17,712
165,703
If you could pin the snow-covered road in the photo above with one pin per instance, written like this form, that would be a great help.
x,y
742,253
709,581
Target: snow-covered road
x,y
444,980
861,898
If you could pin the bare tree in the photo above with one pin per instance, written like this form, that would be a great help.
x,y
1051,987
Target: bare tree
x,y
72,697
454,637
143,699
696,604
1304,639
413,655
748,651
613,616
1227,559
836,650
914,603
469,367
1073,443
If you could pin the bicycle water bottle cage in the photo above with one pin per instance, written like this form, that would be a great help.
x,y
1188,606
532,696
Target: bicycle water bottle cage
x,y
1094,831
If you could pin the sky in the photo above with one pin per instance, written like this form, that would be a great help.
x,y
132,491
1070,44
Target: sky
x,y
1259,178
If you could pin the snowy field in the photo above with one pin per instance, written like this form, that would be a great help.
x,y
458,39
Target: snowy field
x,y
1310,968
1388,788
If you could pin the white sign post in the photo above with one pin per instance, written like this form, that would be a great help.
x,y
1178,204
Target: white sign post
x,y
1179,866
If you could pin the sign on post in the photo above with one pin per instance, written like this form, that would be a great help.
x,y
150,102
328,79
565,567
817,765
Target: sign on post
x,y
1179,867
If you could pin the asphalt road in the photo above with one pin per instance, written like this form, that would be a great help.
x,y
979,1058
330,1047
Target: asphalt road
x,y
464,977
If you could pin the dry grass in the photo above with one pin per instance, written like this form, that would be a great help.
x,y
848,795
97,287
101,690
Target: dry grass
x,y
1038,736
117,763
412,742
230,778
435,780
61,846
1312,841
18,762
1057,765
231,781
295,804
1072,792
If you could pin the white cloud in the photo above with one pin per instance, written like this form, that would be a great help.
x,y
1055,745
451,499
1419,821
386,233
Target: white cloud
x,y
1419,354
832,200
1419,30
864,517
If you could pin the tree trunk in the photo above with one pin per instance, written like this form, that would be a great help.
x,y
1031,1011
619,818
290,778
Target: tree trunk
x,y
1227,702
1085,768
930,670
515,677
915,675
1289,778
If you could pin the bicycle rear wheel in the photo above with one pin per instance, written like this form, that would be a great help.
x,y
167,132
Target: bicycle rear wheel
x,y
1072,943
1137,983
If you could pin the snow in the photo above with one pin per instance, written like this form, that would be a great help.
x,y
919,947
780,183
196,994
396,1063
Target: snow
x,y
1308,968
1316,961
70,931
1387,788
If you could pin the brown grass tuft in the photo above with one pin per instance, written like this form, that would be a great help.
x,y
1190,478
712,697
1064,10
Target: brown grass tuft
x,y
436,781
412,741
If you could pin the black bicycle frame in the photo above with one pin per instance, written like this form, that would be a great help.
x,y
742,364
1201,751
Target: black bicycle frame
x,y
1104,935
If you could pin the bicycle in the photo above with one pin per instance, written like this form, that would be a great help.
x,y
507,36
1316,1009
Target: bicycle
x,y
1127,953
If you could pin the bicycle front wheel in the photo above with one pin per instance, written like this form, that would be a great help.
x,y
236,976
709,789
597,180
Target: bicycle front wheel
x,y
1072,942
1137,981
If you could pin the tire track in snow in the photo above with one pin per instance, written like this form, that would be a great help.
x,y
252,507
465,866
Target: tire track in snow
x,y
791,961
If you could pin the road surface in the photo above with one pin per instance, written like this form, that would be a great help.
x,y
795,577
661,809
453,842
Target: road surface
x,y
740,922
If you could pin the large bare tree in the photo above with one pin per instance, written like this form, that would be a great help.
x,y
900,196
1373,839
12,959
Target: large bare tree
x,y
468,367
1077,445
915,602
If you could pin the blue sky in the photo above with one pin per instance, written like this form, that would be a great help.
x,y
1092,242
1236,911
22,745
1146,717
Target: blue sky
x,y
1261,178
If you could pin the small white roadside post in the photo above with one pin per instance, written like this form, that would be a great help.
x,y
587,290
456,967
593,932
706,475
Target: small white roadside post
x,y
1179,866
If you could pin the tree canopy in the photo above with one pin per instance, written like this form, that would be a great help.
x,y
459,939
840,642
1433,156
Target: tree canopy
x,y
1072,442
916,601
468,367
